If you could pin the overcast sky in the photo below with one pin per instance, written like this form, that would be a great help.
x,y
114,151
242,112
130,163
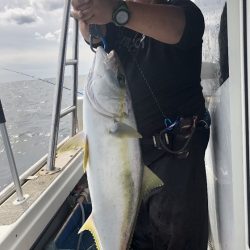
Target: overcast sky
x,y
29,38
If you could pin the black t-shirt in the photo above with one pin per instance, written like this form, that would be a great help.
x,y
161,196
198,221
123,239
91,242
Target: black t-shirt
x,y
164,79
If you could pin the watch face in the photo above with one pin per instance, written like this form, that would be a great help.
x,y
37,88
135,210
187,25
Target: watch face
x,y
122,17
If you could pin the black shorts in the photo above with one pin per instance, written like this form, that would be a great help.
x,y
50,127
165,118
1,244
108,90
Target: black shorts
x,y
176,217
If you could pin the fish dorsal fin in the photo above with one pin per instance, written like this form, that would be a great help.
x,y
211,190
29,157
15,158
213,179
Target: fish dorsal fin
x,y
75,142
89,225
121,129
150,182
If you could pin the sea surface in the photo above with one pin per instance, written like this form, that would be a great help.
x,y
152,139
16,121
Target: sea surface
x,y
28,107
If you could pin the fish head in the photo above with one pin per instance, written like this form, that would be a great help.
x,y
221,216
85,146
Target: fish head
x,y
107,87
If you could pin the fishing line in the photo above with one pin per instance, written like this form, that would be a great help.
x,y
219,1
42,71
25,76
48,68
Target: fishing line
x,y
36,78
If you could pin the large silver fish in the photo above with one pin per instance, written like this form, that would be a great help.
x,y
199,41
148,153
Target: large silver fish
x,y
116,176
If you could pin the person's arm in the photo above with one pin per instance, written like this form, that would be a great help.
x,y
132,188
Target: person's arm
x,y
164,23
161,22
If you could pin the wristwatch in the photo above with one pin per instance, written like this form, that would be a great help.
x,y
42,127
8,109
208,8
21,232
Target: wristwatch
x,y
121,14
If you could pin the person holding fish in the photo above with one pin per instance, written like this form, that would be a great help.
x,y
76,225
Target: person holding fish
x,y
159,44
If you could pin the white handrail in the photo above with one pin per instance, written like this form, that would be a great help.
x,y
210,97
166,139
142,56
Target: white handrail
x,y
11,159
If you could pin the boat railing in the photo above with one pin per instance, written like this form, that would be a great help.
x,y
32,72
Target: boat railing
x,y
20,197
57,114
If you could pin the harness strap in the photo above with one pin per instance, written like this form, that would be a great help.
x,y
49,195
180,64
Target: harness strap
x,y
162,140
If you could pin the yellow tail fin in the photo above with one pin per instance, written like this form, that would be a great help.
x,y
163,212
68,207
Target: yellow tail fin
x,y
89,225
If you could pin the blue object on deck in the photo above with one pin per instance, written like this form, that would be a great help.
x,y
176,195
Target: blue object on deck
x,y
68,237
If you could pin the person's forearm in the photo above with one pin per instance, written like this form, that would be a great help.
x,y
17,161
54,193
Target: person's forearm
x,y
161,22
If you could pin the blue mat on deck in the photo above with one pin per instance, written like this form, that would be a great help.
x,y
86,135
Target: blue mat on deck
x,y
68,237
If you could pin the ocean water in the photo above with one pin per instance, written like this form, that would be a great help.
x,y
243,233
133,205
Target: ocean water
x,y
28,107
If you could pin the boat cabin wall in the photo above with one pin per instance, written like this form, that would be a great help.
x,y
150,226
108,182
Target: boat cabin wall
x,y
223,81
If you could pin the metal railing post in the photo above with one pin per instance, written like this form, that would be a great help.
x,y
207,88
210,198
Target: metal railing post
x,y
59,87
11,159
75,75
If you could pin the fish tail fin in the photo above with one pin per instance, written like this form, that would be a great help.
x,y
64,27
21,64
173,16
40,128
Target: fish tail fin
x,y
89,225
150,182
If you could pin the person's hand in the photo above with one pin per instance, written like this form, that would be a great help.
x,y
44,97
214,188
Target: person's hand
x,y
94,11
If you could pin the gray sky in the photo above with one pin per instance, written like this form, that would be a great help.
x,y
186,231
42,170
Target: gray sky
x,y
29,38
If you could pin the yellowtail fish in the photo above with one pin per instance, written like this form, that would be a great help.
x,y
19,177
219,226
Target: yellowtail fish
x,y
116,176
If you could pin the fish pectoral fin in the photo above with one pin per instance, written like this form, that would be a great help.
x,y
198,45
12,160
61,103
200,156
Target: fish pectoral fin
x,y
150,182
85,154
124,130
89,225
73,143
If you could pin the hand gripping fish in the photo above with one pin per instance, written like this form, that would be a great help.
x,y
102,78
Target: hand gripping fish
x,y
116,176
